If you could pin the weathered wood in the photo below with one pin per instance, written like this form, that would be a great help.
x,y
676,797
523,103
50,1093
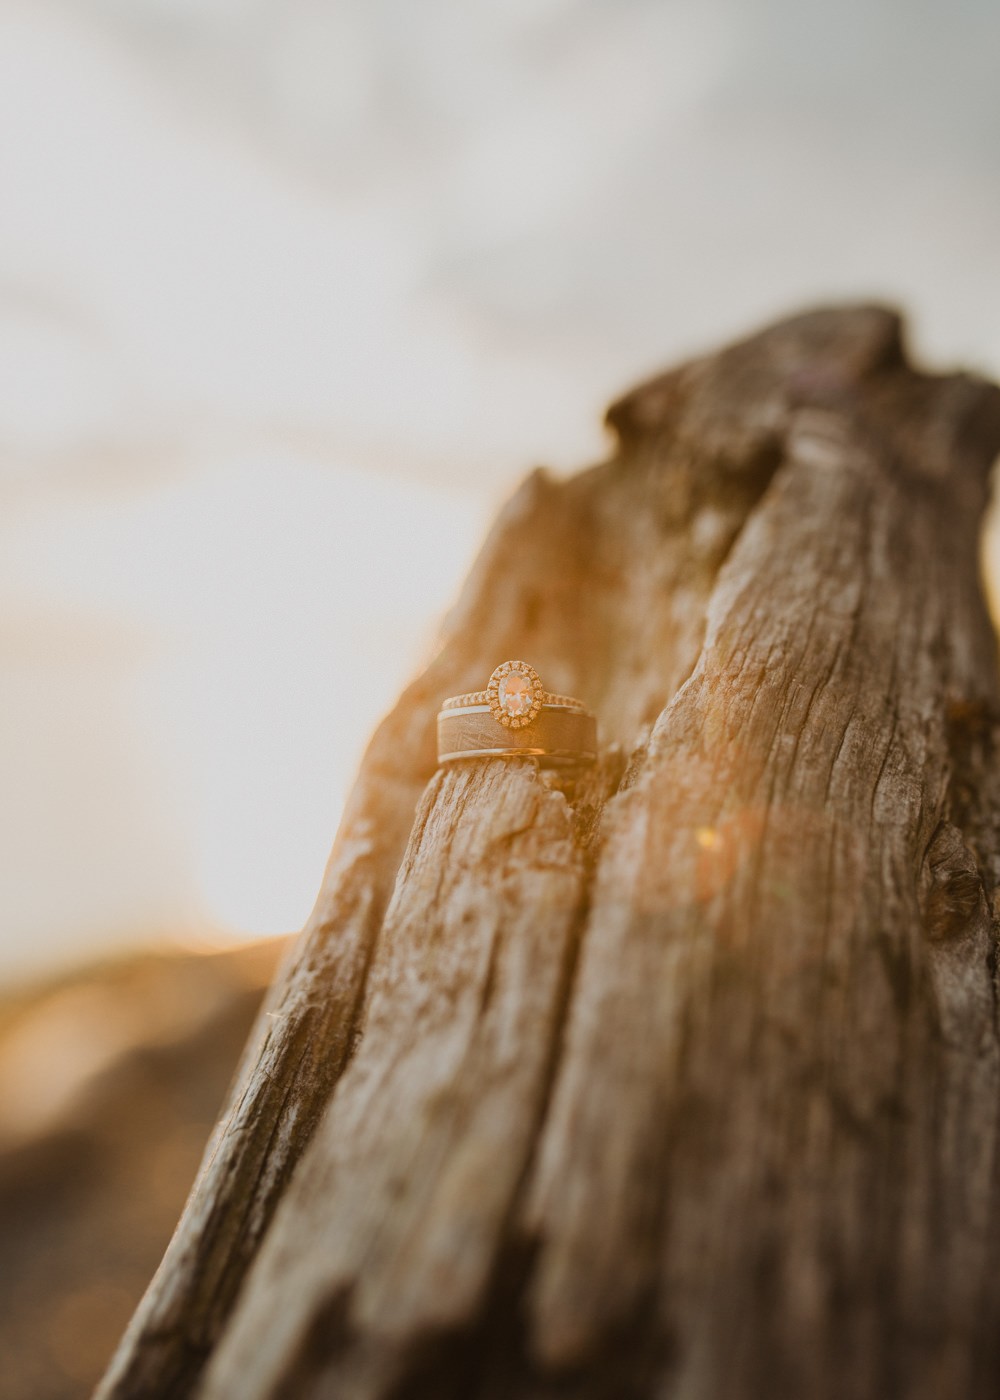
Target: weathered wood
x,y
683,1081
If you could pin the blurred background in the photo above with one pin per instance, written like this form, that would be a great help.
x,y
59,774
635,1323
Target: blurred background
x,y
292,292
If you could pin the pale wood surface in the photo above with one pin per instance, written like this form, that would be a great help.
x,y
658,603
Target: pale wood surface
x,y
683,1081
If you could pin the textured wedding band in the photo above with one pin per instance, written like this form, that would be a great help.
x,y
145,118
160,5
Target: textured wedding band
x,y
516,717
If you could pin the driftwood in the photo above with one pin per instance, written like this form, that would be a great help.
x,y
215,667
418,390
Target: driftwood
x,y
682,1081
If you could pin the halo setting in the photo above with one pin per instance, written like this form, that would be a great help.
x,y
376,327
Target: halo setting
x,y
514,694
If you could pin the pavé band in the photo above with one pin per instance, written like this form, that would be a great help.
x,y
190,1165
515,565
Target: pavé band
x,y
482,697
515,717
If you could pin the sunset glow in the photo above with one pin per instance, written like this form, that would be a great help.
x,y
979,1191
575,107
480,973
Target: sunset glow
x,y
291,296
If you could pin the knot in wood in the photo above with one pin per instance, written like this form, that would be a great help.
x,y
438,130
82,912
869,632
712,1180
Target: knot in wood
x,y
951,885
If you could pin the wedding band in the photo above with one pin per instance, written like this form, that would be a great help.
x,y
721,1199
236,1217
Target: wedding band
x,y
516,717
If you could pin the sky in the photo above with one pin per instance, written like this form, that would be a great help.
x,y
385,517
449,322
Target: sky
x,y
293,292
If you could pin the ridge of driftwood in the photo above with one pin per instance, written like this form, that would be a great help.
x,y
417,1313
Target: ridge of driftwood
x,y
683,1081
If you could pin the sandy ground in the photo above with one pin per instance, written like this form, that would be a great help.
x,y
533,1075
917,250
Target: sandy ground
x,y
110,1082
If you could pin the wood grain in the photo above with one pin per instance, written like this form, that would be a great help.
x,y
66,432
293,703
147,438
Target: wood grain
x,y
682,1080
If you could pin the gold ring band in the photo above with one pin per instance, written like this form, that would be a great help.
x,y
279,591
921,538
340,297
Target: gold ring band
x,y
481,697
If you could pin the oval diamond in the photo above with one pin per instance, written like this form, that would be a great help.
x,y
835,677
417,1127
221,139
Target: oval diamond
x,y
515,694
